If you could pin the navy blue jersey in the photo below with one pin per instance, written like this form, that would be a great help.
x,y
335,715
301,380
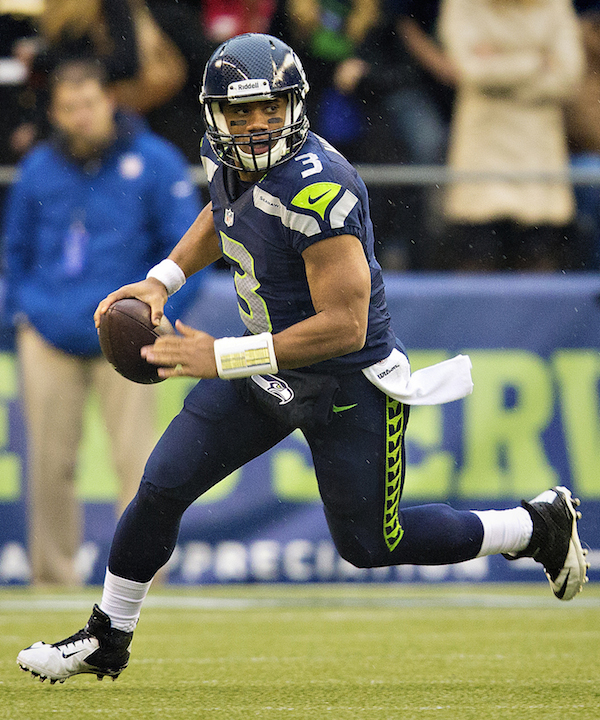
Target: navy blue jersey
x,y
315,195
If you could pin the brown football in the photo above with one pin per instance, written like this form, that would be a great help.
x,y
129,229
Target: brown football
x,y
125,328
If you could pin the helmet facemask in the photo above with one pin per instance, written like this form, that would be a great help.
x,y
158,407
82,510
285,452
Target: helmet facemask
x,y
238,151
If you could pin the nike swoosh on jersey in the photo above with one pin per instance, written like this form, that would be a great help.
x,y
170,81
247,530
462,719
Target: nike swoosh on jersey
x,y
341,408
317,197
313,200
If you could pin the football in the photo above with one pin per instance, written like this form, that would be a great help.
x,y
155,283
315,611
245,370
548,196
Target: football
x,y
125,328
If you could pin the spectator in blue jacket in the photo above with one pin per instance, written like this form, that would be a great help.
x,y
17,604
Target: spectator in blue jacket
x,y
93,208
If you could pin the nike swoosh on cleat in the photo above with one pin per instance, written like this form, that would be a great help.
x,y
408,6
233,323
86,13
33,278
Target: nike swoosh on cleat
x,y
341,408
561,593
70,654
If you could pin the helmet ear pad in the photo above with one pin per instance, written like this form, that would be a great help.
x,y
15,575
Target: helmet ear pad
x,y
218,117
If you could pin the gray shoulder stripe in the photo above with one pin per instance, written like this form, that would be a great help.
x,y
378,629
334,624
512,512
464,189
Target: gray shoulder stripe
x,y
272,205
342,208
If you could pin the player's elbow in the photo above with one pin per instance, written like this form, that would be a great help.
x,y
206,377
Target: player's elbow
x,y
359,339
356,319
354,336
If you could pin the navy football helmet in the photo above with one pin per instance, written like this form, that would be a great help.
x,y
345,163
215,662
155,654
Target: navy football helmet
x,y
248,68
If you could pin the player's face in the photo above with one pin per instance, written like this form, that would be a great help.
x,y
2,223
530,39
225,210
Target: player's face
x,y
84,112
256,119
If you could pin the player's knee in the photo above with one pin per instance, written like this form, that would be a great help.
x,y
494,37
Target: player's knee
x,y
359,543
159,501
353,551
161,479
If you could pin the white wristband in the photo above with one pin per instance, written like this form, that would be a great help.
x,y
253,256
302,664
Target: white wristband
x,y
170,275
239,357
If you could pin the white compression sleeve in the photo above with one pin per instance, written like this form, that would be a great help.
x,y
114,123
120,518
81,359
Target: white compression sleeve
x,y
504,531
122,601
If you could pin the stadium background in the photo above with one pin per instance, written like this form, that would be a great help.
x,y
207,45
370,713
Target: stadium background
x,y
533,421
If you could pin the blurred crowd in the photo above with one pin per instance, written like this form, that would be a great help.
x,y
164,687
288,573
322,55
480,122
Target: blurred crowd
x,y
504,95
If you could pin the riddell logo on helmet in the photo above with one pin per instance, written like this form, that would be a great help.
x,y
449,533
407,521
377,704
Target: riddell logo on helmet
x,y
243,88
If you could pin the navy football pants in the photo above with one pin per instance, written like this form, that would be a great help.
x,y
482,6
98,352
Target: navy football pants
x,y
359,463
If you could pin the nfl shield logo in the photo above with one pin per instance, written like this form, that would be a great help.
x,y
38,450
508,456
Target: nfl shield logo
x,y
228,217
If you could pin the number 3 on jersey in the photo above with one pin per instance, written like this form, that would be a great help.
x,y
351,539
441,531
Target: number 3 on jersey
x,y
256,316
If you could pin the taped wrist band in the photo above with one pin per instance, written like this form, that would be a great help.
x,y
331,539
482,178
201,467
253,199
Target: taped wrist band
x,y
170,275
239,357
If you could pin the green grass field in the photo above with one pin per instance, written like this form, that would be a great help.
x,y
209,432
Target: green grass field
x,y
378,652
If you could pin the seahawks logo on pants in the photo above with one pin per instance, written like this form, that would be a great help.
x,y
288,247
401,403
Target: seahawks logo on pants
x,y
275,386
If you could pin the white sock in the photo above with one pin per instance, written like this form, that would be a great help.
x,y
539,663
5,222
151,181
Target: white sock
x,y
122,601
504,531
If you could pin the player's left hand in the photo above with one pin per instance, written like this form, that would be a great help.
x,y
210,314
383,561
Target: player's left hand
x,y
191,353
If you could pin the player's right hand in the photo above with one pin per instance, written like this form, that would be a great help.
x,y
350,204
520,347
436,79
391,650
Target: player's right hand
x,y
151,291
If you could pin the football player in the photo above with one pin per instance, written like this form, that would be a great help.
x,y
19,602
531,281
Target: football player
x,y
290,216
